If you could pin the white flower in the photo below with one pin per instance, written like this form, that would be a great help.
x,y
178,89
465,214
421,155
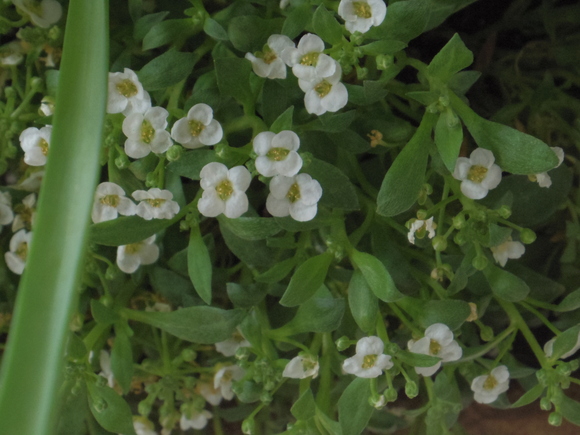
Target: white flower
x,y
26,213
308,61
106,372
126,93
478,173
223,380
231,345
11,54
543,178
488,387
210,393
438,341
421,227
130,257
143,426
6,213
369,360
268,62
296,196
146,132
155,204
324,94
361,15
47,105
197,420
42,13
508,249
19,246
32,183
224,190
110,200
301,367
35,144
198,128
277,153
549,348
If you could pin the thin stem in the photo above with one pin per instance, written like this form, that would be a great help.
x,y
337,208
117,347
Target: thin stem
x,y
540,316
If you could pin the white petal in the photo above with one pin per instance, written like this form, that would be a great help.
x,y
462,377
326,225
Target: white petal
x,y
289,166
136,149
313,103
279,186
277,70
482,157
279,42
212,133
157,116
236,205
326,66
473,190
149,254
277,207
462,166
336,98
200,112
370,346
210,204
301,212
180,131
286,139
310,43
440,333
263,142
240,178
212,174
428,371
266,167
492,178
161,142
132,125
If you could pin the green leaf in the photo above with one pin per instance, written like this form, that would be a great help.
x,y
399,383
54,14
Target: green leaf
x,y
283,122
103,314
376,276
277,272
337,190
233,77
565,342
122,359
146,22
205,325
448,139
387,46
417,359
168,32
249,33
199,265
172,286
167,70
255,253
571,302
354,410
452,58
297,20
246,296
450,312
110,410
308,278
570,410
127,229
326,26
192,162
405,178
333,122
215,30
529,396
506,285
514,151
251,228
461,82
305,407
321,313
363,303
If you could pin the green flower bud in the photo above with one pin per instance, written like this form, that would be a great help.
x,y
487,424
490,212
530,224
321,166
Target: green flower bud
x,y
392,348
564,369
151,179
439,243
111,272
144,407
486,333
243,353
384,61
122,161
422,214
188,355
357,38
174,153
35,82
480,262
478,215
542,377
555,419
459,221
459,239
361,73
527,236
504,211
390,395
266,397
377,402
10,92
343,343
411,389
249,426
545,404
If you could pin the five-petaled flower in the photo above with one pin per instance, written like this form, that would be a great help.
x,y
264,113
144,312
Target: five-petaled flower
x,y
155,204
308,61
146,132
420,228
277,153
296,196
35,143
543,179
198,128
478,173
326,94
268,63
133,255
508,249
369,360
487,388
301,367
224,377
110,200
43,13
438,341
19,246
361,15
224,190
126,93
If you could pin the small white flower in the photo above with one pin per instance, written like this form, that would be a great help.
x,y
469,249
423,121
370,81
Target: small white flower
x,y
277,153
421,227
146,132
130,257
308,61
543,178
126,93
210,393
143,426
301,367
155,204
361,15
32,183
438,341
296,196
549,348
223,380
47,105
324,94
19,246
369,360
478,173
25,213
230,346
106,372
110,200
268,62
508,249
42,13
35,144
6,213
197,420
11,54
487,388
224,190
198,128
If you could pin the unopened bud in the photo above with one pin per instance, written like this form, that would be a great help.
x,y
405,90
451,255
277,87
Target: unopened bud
x,y
377,402
249,426
459,221
343,343
122,161
188,355
439,243
504,211
486,333
555,419
384,61
174,153
545,404
422,214
411,389
390,395
480,262
527,236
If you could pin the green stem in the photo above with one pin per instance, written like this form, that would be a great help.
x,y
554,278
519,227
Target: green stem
x,y
323,396
540,316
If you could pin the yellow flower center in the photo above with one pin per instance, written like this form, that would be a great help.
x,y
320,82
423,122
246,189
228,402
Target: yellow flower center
x,y
369,361
490,383
293,194
43,146
227,377
156,202
277,154
362,9
268,55
225,189
477,173
132,248
434,347
127,88
25,214
110,200
310,59
308,364
147,132
195,127
323,88
22,251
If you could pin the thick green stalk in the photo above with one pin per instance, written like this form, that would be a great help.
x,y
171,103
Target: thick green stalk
x,y
33,362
